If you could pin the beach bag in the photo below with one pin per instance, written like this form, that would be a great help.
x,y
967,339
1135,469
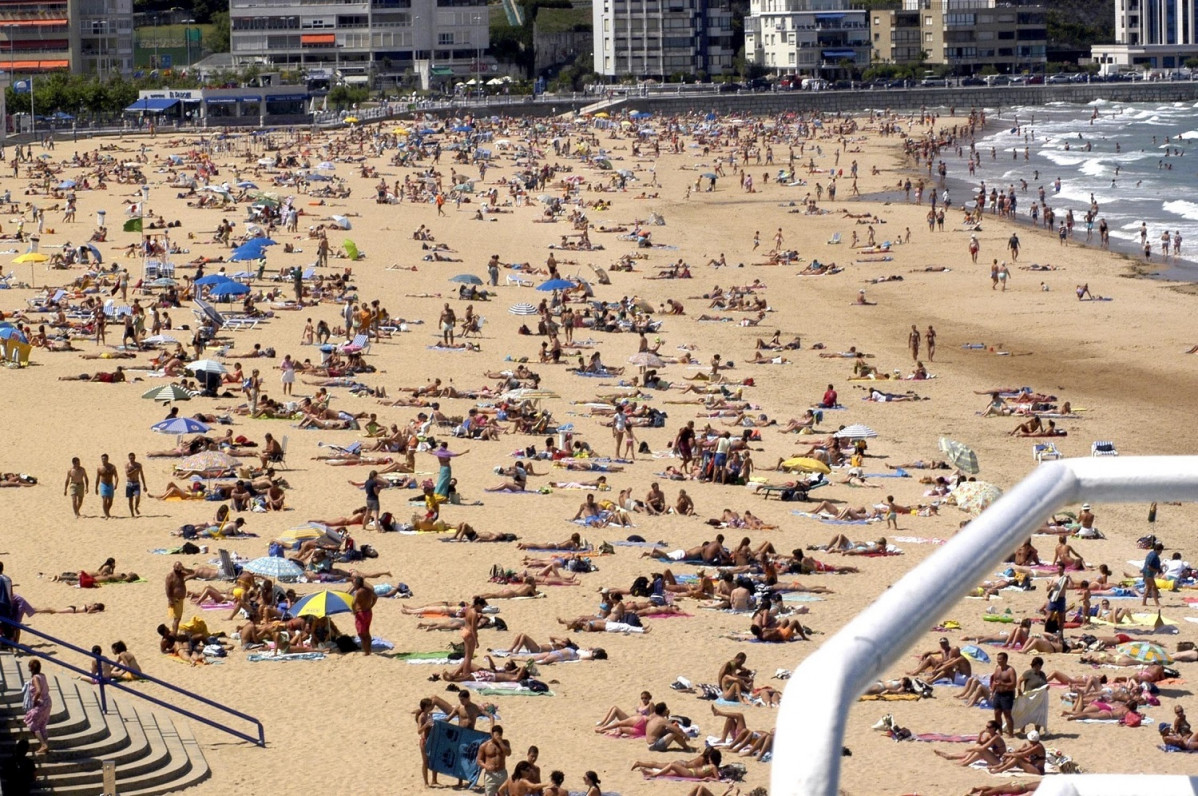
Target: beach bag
x,y
633,620
536,686
1146,542
346,644
733,772
275,550
27,696
1132,720
640,587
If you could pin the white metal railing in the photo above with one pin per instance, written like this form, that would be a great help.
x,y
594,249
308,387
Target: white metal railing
x,y
811,719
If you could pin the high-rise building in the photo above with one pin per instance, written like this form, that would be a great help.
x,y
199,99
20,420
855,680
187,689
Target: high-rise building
x,y
1010,35
659,38
806,36
83,36
1156,34
361,37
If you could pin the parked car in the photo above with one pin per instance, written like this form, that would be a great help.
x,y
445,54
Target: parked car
x,y
730,88
1058,79
972,81
760,84
998,80
934,82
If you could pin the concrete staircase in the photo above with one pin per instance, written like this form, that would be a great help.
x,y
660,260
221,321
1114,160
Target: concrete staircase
x,y
151,754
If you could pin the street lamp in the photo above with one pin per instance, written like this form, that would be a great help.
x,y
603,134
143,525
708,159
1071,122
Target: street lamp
x,y
187,38
478,51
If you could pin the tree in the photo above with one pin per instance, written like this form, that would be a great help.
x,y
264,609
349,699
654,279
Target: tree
x,y
218,40
341,97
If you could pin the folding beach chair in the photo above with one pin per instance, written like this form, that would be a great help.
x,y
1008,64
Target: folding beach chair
x,y
1103,448
1046,451
228,570
835,239
360,343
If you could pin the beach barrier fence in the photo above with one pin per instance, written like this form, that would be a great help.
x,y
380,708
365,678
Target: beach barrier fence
x,y
809,732
258,738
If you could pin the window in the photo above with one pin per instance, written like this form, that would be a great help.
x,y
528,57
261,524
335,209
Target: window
x,y
927,37
927,22
445,39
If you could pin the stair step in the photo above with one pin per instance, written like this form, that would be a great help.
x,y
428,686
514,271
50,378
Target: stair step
x,y
62,721
126,746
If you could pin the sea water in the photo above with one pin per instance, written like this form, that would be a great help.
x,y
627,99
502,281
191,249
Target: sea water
x,y
1141,167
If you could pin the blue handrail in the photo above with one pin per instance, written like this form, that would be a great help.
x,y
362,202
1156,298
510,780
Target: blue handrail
x,y
102,681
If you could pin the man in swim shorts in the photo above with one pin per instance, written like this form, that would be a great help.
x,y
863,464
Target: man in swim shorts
x,y
106,481
176,593
76,483
492,757
135,484
364,600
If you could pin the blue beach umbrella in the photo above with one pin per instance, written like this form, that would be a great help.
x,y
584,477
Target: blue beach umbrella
x,y
555,284
467,279
279,569
181,425
230,288
212,279
13,333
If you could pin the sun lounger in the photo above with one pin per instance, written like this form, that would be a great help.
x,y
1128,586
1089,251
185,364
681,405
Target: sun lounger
x,y
1046,451
1103,448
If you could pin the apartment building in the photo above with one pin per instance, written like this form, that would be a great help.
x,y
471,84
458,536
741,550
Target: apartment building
x,y
1154,34
806,36
966,35
83,36
361,37
659,38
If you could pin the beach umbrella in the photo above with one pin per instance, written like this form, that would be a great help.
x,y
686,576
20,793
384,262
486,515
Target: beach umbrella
x,y
351,249
12,333
66,184
351,119
296,536
401,132
323,603
212,279
31,257
647,359
522,309
806,465
159,339
206,366
555,284
1145,652
528,394
625,173
243,253
467,279
709,175
975,496
342,222
975,654
171,392
246,184
326,165
181,425
280,569
959,455
208,461
639,115
604,164
230,288
95,252
856,431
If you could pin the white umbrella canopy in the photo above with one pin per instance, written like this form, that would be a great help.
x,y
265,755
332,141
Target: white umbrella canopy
x,y
856,431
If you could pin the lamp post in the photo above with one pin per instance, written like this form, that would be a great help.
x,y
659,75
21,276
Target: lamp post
x,y
187,23
478,51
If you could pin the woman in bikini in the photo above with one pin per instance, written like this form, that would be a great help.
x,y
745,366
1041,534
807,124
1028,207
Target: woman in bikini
x,y
89,608
990,748
704,767
617,719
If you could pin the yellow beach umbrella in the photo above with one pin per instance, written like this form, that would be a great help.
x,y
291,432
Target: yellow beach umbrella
x,y
31,257
602,115
351,119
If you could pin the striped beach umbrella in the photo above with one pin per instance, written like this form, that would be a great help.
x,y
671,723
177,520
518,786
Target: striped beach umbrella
x,y
522,308
1145,652
171,392
959,455
323,603
280,569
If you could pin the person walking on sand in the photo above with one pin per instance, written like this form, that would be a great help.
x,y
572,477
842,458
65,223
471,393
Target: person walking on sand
x,y
1003,275
1013,246
106,482
1151,571
930,340
76,484
913,342
135,484
364,600
974,247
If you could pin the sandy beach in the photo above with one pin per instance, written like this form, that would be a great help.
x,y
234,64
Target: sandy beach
x,y
1120,363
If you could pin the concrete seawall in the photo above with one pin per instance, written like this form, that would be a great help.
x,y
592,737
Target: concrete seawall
x,y
909,99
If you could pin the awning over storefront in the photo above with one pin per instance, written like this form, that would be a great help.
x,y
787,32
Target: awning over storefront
x,y
318,39
152,105
838,54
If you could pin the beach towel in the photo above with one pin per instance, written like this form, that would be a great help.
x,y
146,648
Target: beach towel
x,y
122,582
918,540
1137,620
831,521
259,657
890,698
376,644
1031,708
217,606
655,544
938,737
492,690
453,750
800,597
1167,748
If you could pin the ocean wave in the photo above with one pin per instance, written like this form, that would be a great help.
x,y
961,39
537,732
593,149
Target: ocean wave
x,y
1180,207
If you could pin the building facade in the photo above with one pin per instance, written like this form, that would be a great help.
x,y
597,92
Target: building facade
x,y
361,39
1010,35
806,36
659,38
1154,34
83,36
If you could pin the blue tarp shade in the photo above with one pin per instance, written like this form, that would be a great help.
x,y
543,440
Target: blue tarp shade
x,y
152,105
840,53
